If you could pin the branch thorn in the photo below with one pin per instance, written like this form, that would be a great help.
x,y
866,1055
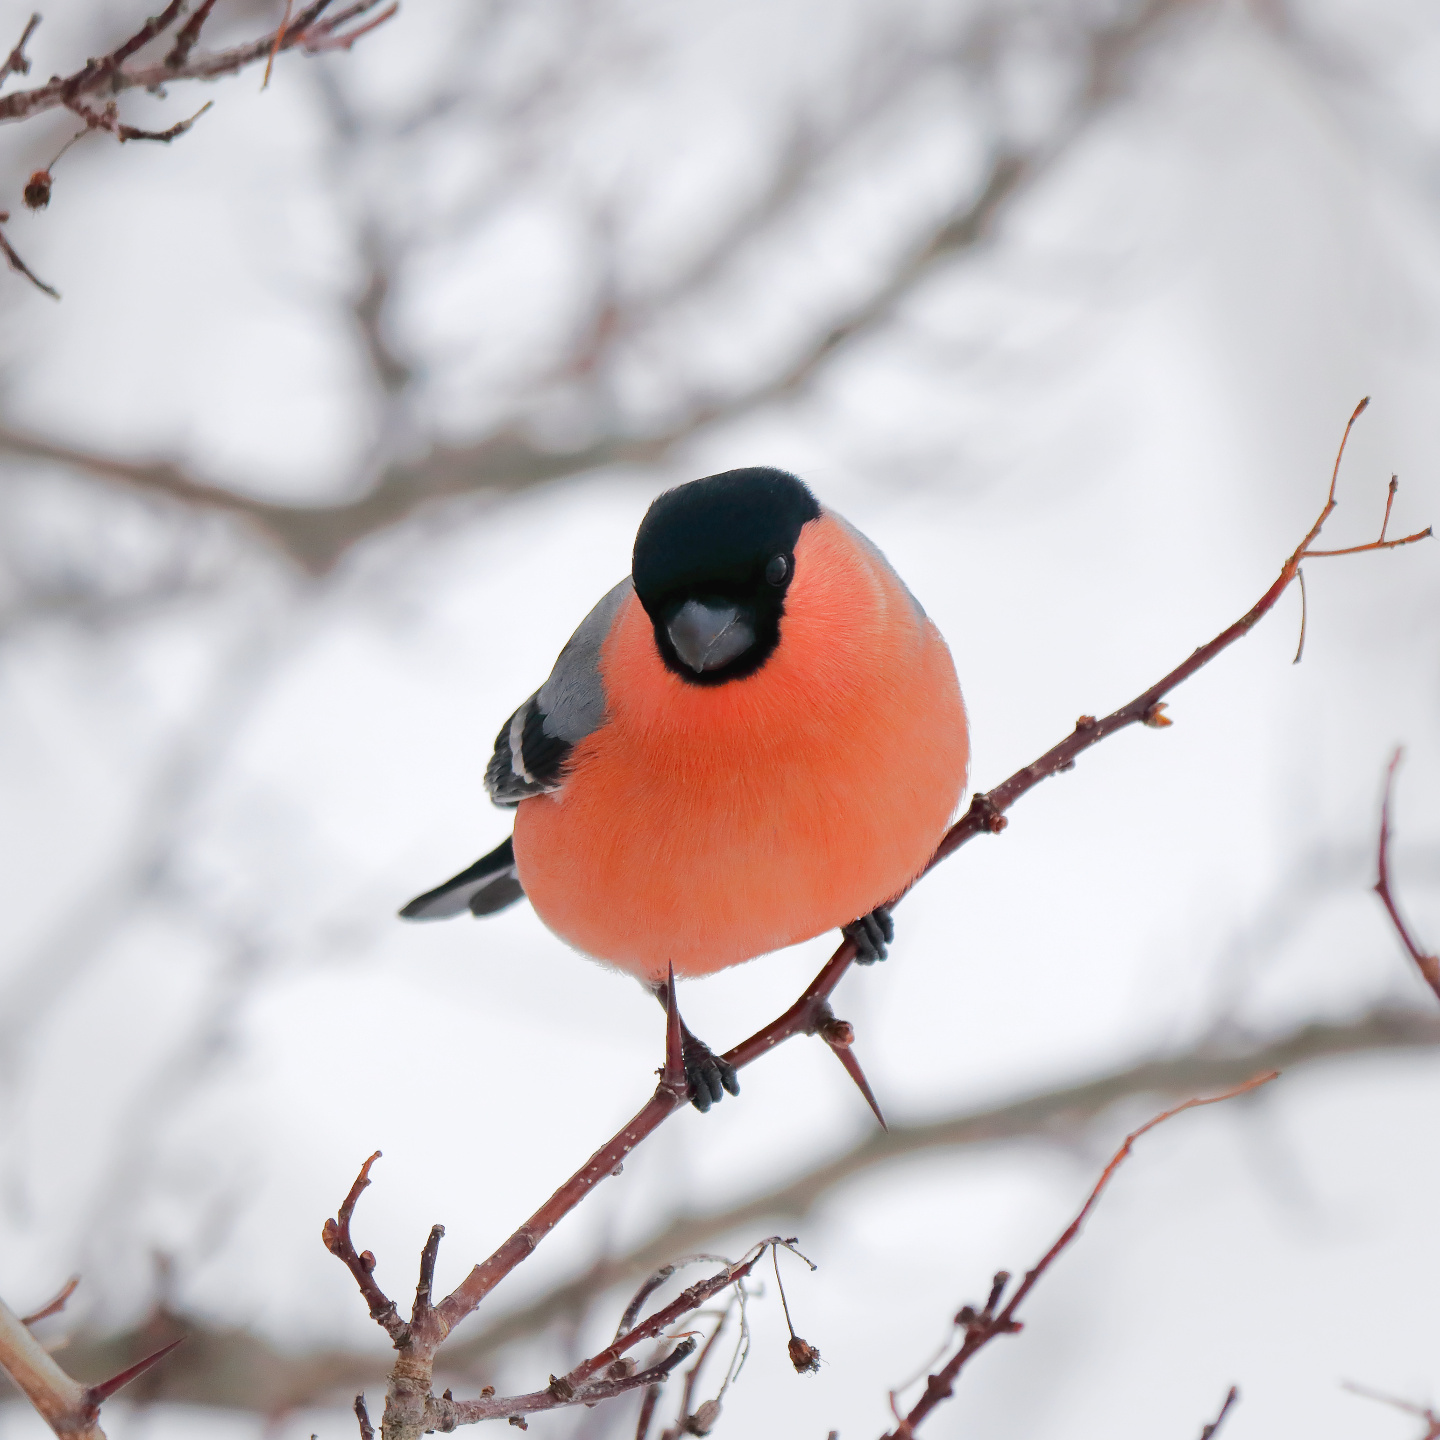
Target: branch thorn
x,y
673,1076
96,1395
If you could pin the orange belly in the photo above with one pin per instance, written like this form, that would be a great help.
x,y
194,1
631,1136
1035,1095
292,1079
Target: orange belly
x,y
703,826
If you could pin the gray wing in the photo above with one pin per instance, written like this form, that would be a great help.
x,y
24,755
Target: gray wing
x,y
534,745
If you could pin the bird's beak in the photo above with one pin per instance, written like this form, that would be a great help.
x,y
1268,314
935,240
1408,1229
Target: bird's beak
x,y
706,637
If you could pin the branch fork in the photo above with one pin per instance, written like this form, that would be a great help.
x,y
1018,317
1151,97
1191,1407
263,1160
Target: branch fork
x,y
410,1407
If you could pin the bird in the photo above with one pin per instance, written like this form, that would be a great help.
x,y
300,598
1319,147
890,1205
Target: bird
x,y
758,735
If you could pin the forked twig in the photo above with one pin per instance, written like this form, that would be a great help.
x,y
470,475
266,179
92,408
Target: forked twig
x,y
982,1326
811,1013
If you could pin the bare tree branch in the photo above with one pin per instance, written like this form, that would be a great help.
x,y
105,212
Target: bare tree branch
x,y
511,458
236,1369
60,1400
1214,1426
1421,1412
16,263
16,62
70,1409
309,32
1428,965
982,1326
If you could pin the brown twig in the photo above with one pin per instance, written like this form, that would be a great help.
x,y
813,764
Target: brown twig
x,y
1421,1412
280,33
512,456
16,263
188,36
1429,965
71,1410
244,1371
55,1306
1210,1430
806,1016
17,62
647,1412
108,119
361,1264
985,814
981,1327
310,31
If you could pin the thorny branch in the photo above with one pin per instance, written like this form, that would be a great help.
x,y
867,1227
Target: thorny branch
x,y
242,1371
982,1326
601,1376
104,77
408,1400
512,456
71,1410
1428,965
311,32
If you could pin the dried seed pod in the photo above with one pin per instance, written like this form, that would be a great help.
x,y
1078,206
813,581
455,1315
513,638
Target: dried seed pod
x,y
37,192
704,1420
803,1355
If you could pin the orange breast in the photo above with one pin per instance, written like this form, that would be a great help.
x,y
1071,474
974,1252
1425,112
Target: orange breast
x,y
702,826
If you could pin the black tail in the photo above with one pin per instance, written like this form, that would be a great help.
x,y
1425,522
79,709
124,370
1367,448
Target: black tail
x,y
490,884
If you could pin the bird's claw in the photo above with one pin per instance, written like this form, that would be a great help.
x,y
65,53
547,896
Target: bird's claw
x,y
709,1075
871,934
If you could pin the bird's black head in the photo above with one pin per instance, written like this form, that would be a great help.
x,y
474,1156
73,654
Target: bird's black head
x,y
713,560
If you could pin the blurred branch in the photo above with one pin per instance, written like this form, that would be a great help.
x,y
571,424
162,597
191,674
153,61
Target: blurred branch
x,y
511,458
310,32
1421,1412
1213,1427
236,1369
1056,1114
411,1407
17,62
60,1400
409,1396
70,1409
13,259
981,1326
1428,965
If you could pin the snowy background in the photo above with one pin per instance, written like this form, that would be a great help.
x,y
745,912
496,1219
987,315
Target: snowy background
x,y
1087,441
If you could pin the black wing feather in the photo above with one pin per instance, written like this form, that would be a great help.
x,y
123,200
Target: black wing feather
x,y
528,760
490,884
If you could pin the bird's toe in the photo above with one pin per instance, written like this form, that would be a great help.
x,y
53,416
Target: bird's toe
x,y
710,1076
871,934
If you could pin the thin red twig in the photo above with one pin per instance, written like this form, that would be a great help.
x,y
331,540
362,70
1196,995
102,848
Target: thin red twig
x,y
1428,965
188,36
55,1306
280,33
811,1012
16,263
336,1235
1421,1412
109,74
17,62
1213,1427
983,1326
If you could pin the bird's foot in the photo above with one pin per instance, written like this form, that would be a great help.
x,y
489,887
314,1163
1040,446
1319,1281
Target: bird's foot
x,y
709,1075
871,934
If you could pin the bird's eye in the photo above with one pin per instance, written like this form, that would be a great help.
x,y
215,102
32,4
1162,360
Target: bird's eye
x,y
777,570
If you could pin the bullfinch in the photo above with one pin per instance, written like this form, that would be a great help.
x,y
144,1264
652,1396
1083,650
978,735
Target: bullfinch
x,y
755,737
